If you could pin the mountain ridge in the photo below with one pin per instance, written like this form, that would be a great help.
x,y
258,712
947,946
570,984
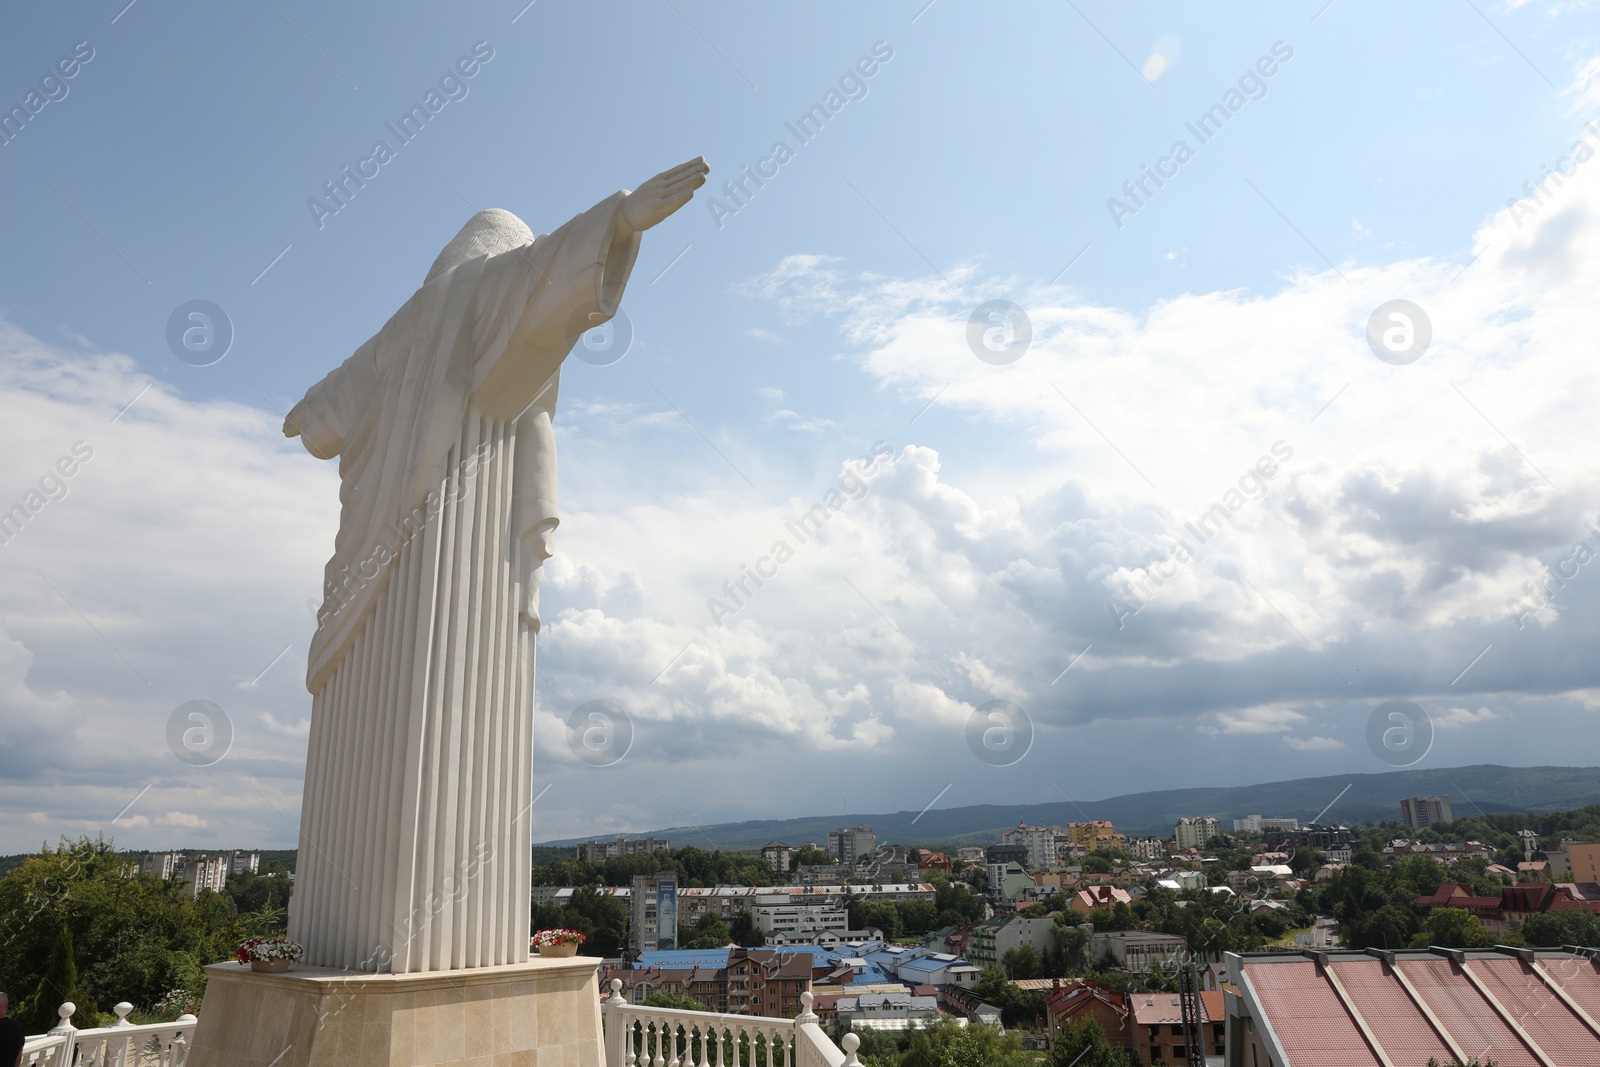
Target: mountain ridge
x,y
1484,788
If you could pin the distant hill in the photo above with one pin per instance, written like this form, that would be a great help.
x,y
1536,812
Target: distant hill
x,y
1486,788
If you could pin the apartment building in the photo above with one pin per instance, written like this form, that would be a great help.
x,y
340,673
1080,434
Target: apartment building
x,y
653,911
852,846
1256,824
1421,812
600,851
1194,831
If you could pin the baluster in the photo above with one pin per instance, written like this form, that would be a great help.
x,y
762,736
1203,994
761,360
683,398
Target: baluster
x,y
850,1042
179,1054
661,1045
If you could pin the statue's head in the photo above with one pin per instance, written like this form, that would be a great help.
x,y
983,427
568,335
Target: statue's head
x,y
488,233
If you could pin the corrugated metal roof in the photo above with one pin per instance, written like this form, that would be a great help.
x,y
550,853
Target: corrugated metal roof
x,y
1464,1013
1543,1015
1396,1022
1310,1021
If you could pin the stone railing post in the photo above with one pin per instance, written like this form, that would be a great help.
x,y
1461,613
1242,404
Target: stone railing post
x,y
850,1042
806,1014
181,1044
616,1026
67,1054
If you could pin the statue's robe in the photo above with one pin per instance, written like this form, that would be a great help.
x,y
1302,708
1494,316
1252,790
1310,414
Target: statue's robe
x,y
416,824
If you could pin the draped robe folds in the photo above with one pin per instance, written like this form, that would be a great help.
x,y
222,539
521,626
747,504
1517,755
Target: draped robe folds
x,y
416,822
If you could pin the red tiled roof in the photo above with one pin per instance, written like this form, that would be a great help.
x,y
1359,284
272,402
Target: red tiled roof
x,y
1154,1009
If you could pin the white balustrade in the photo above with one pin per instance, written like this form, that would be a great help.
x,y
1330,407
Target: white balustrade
x,y
122,1044
639,1036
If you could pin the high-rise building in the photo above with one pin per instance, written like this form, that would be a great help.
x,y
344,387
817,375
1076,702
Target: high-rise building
x,y
1421,812
653,907
777,853
1256,824
852,846
202,871
1040,841
1194,831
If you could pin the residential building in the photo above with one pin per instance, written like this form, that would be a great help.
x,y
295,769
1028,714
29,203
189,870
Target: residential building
x,y
1104,897
1039,841
1158,1035
1530,1006
887,1011
852,846
970,854
1078,1002
778,914
653,912
1324,839
600,851
1255,824
1006,882
1421,812
1138,951
1507,911
1148,848
202,870
747,981
993,938
777,853
1088,832
1194,831
934,861
1582,861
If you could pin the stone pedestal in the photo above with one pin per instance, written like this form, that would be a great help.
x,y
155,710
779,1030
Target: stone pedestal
x,y
543,1013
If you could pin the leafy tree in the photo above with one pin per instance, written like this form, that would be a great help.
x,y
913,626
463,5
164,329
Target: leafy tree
x,y
1021,962
917,916
1552,928
675,1001
136,937
809,856
744,932
709,932
950,1045
1452,928
1086,1046
59,985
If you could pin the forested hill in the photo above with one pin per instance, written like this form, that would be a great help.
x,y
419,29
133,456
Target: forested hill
x,y
1480,789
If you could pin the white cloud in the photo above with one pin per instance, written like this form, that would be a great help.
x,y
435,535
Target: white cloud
x,y
1452,718
1314,744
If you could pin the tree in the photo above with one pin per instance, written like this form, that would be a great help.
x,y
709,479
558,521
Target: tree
x,y
709,932
744,931
675,1001
1021,962
1086,1046
1452,928
810,855
1553,928
917,916
949,1045
58,986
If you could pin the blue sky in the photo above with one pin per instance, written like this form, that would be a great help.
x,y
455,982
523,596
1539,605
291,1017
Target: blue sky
x,y
1375,162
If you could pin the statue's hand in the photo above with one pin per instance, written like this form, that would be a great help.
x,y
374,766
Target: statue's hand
x,y
663,194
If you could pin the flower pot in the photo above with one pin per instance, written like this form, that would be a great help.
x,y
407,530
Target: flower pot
x,y
566,948
269,966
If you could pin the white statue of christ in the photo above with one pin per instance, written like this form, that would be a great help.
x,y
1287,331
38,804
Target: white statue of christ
x,y
415,828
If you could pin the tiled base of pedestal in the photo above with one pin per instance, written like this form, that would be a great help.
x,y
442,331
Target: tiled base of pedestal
x,y
544,1013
